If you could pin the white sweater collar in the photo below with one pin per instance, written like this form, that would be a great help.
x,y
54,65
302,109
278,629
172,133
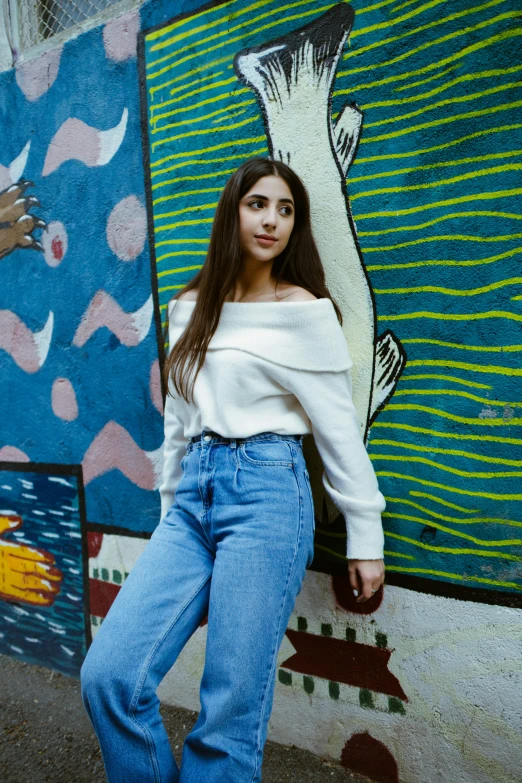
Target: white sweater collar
x,y
301,335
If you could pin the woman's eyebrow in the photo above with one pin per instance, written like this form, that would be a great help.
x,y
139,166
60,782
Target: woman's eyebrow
x,y
265,198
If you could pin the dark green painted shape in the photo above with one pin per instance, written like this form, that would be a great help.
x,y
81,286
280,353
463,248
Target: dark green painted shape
x,y
302,624
105,574
308,684
333,689
285,677
396,705
366,698
381,640
350,634
116,577
95,573
326,629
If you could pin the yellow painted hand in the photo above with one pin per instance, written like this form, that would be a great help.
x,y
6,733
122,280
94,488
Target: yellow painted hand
x,y
26,572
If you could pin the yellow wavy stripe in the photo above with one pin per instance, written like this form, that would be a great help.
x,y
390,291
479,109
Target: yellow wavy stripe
x,y
183,223
450,378
187,121
198,208
170,288
505,34
207,67
190,107
428,223
201,78
456,520
488,368
415,493
180,242
178,270
391,22
210,161
222,145
441,121
422,28
221,9
195,178
454,393
457,317
473,96
446,488
205,132
391,425
438,289
447,549
443,164
516,298
317,11
226,33
454,417
469,77
517,463
442,238
416,152
484,474
442,203
432,78
180,253
231,115
440,182
343,557
460,577
400,6
172,196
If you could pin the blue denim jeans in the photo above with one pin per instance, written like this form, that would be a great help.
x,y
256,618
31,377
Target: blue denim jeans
x,y
234,546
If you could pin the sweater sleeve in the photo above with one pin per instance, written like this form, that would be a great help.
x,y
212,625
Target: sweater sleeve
x,y
348,475
174,448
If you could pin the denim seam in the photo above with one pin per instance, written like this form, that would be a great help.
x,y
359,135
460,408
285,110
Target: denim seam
x,y
275,651
143,675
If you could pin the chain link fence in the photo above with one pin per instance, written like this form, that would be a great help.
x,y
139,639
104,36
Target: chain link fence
x,y
38,20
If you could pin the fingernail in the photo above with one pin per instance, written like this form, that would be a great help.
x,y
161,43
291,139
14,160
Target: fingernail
x,y
356,593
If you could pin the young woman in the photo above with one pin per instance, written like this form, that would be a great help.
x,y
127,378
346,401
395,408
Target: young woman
x,y
237,519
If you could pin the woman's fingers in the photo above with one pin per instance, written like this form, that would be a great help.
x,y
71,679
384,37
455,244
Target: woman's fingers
x,y
354,578
366,577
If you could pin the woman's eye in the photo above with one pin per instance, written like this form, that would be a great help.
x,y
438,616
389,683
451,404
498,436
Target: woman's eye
x,y
255,202
289,210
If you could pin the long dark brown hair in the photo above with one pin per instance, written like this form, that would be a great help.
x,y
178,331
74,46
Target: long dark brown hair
x,y
299,261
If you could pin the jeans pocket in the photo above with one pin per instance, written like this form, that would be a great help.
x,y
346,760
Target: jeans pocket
x,y
267,452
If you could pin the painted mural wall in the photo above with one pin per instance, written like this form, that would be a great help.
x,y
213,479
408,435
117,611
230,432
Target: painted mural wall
x,y
403,119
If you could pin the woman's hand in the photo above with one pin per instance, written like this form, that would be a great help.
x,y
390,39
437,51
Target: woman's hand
x,y
366,576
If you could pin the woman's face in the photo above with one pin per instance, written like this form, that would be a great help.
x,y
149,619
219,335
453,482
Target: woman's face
x,y
266,210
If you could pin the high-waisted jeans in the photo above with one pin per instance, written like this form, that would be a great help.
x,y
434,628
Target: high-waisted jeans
x,y
234,546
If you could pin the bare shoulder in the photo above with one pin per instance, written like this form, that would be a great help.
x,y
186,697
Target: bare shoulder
x,y
190,296
298,294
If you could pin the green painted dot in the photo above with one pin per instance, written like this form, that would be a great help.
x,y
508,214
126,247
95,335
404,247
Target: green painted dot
x,y
94,620
105,574
350,634
101,620
126,574
116,577
326,629
302,624
366,698
333,689
308,684
95,573
381,640
285,677
396,705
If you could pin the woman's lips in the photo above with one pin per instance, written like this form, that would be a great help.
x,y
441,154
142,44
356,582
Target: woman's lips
x,y
265,242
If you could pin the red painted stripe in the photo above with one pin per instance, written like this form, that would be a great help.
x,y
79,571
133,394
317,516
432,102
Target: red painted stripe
x,y
102,594
355,664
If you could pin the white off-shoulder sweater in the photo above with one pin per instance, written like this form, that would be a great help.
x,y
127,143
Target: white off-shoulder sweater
x,y
280,367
